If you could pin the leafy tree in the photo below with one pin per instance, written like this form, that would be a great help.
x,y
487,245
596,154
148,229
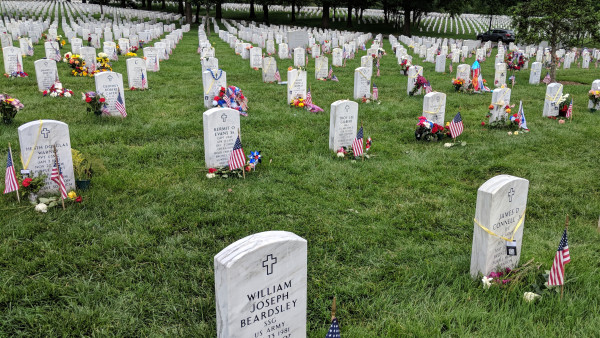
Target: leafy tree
x,y
561,23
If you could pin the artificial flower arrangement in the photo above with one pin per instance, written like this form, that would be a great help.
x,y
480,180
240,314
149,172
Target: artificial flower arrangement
x,y
133,49
563,105
60,41
594,96
366,99
512,122
96,102
253,160
50,202
232,97
302,103
458,84
30,186
57,90
9,107
429,131
130,54
404,65
77,64
103,63
420,83
16,74
515,61
348,153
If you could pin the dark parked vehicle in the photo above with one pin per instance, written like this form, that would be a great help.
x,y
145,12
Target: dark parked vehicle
x,y
496,35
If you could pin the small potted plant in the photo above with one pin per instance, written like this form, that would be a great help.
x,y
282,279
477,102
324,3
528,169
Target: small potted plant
x,y
83,170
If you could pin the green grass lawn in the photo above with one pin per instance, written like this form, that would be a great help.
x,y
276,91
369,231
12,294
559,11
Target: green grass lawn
x,y
390,237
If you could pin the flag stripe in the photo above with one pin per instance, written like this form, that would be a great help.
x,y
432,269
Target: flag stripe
x,y
10,179
357,145
562,257
456,126
237,159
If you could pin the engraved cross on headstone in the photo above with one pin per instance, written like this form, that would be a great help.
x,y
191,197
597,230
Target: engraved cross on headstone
x,y
45,132
511,193
224,117
269,262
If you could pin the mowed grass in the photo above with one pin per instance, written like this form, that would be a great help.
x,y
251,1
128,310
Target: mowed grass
x,y
389,237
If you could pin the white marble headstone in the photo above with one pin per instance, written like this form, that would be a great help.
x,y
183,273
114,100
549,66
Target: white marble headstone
x,y
261,286
299,57
362,83
501,203
343,121
256,57
500,75
535,73
296,83
37,140
434,107
553,95
12,59
136,73
500,99
413,72
321,67
110,85
221,128
269,67
595,86
212,81
152,59
46,73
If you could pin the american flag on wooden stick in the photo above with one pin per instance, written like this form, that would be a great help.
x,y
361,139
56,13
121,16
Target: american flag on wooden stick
x,y
375,93
456,126
237,159
120,105
144,81
562,257
308,99
357,145
10,180
57,177
277,75
570,109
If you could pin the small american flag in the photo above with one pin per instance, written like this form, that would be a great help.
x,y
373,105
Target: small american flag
x,y
57,177
450,68
377,64
308,99
570,109
357,145
237,159
562,257
227,100
144,81
522,121
29,49
277,75
375,93
334,78
456,126
547,78
120,105
57,56
156,63
334,330
19,67
330,72
10,180
114,54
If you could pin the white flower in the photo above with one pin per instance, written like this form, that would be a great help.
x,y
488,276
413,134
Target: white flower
x,y
67,94
210,175
53,94
340,154
58,85
530,296
487,282
447,145
510,133
102,55
41,208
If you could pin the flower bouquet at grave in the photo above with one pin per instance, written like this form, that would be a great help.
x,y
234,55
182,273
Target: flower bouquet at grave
x,y
103,63
130,54
57,90
133,49
96,103
118,49
512,122
232,97
253,160
60,41
420,83
594,96
404,65
515,61
30,186
16,74
77,64
44,37
563,105
429,131
458,84
55,201
9,107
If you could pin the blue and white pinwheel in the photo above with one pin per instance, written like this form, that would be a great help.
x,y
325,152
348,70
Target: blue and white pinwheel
x,y
254,158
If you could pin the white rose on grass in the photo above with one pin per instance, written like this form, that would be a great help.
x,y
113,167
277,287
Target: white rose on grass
x,y
53,94
102,55
487,282
531,296
447,145
340,154
41,208
210,175
67,94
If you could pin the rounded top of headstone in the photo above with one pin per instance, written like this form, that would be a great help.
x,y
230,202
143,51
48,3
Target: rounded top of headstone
x,y
497,182
36,123
238,249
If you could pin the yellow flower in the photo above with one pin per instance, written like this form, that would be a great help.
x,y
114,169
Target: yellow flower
x,y
301,105
447,124
516,133
72,195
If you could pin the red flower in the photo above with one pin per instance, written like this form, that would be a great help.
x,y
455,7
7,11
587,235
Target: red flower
x,y
102,100
78,199
27,182
216,98
88,99
247,168
482,123
211,170
45,92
